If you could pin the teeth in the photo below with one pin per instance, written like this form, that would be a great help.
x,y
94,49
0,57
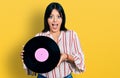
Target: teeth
x,y
54,24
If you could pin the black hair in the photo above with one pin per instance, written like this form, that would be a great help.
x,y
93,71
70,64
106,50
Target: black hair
x,y
50,7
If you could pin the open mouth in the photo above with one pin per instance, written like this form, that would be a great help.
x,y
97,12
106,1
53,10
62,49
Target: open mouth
x,y
54,24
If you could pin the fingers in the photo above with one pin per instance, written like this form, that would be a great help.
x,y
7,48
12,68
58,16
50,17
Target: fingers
x,y
63,57
59,62
21,54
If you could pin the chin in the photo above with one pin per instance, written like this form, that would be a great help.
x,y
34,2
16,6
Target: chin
x,y
54,31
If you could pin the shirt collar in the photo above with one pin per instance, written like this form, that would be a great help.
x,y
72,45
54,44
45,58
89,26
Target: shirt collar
x,y
60,36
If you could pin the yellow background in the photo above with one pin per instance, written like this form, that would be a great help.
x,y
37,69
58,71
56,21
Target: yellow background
x,y
97,23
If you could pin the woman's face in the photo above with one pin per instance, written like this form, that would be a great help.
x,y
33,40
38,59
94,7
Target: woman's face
x,y
55,21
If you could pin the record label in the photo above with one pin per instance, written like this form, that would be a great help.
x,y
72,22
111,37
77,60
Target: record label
x,y
41,54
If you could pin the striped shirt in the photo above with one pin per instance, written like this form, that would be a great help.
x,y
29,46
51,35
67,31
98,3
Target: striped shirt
x,y
68,42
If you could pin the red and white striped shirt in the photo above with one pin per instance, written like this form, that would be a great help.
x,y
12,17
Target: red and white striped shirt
x,y
68,42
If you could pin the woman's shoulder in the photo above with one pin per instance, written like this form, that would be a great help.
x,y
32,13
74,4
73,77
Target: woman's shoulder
x,y
70,32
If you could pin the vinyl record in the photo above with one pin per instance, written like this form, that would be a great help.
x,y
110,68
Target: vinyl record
x,y
41,54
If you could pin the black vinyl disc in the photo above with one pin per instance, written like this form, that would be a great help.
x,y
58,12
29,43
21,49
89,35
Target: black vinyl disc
x,y
41,54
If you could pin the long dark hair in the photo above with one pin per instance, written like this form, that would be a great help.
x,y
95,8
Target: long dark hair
x,y
50,7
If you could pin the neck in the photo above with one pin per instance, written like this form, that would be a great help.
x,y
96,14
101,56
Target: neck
x,y
55,33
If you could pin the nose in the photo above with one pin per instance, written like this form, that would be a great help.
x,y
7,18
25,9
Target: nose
x,y
55,19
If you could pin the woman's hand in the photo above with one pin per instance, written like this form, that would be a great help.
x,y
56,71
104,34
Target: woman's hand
x,y
66,57
63,57
21,54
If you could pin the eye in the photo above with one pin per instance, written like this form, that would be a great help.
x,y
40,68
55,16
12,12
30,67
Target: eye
x,y
59,16
50,16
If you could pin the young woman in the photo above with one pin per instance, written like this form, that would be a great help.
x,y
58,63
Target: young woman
x,y
72,58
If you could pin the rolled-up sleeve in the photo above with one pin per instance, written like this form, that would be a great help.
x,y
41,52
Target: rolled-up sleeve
x,y
77,54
